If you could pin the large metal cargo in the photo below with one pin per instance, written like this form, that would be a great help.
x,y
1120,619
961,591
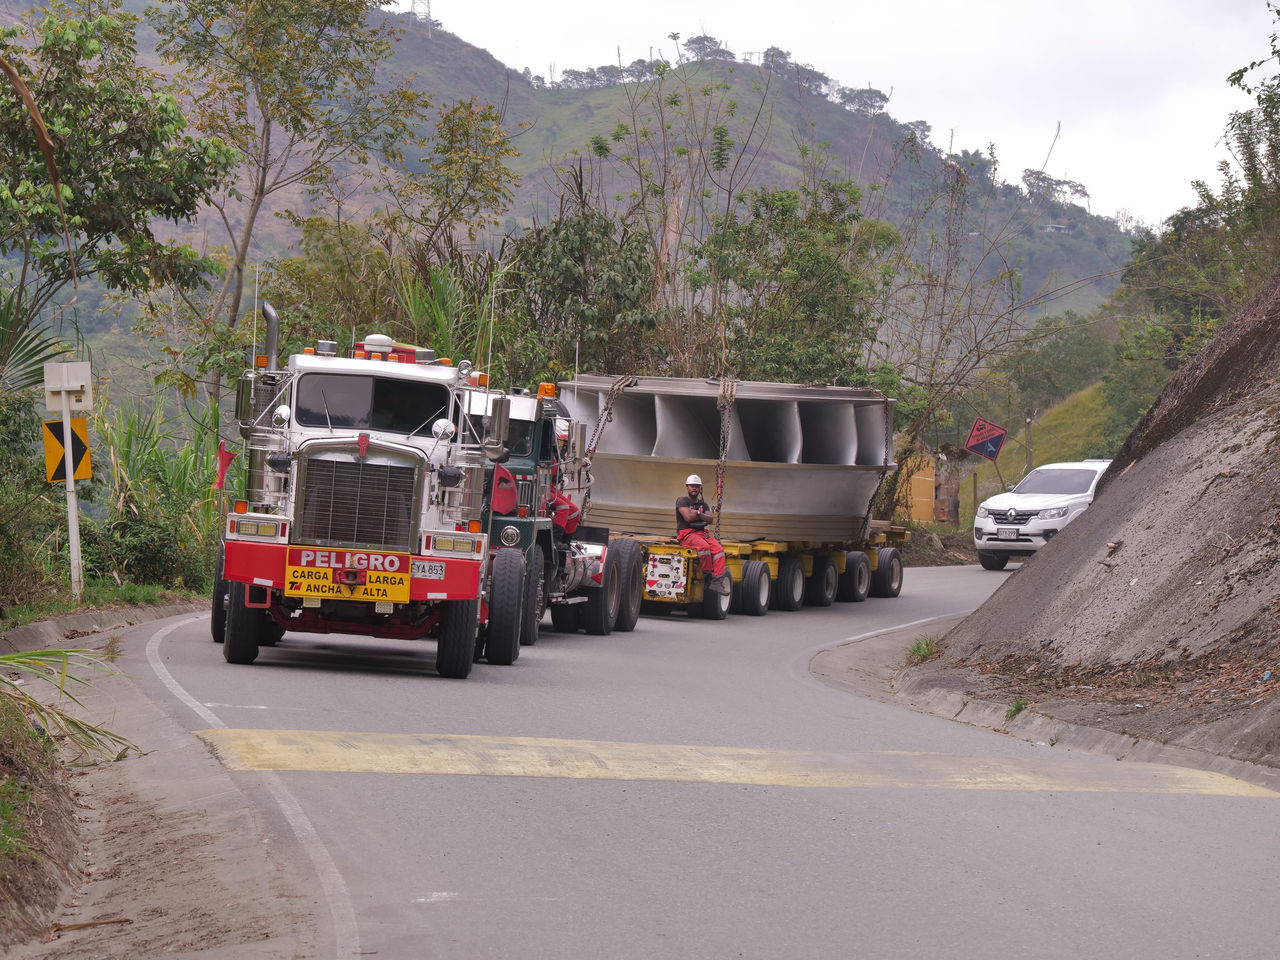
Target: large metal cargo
x,y
800,462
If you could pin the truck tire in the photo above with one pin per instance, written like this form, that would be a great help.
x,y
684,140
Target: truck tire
x,y
600,612
506,601
533,598
788,592
855,582
886,581
753,591
631,579
456,647
992,561
244,627
271,632
218,609
566,617
714,604
820,589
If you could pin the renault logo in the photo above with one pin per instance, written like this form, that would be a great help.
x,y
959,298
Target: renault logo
x,y
1011,515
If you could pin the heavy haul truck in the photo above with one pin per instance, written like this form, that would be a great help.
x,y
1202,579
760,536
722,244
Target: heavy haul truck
x,y
363,505
794,470
536,491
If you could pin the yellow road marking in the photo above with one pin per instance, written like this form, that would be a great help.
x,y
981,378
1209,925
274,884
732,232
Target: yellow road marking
x,y
339,752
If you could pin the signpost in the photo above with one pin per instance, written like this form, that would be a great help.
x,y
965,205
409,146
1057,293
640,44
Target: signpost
x,y
986,439
68,387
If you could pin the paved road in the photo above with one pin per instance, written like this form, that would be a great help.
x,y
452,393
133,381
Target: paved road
x,y
691,791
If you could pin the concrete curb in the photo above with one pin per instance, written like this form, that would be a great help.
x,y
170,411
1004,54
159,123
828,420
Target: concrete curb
x,y
876,667
58,632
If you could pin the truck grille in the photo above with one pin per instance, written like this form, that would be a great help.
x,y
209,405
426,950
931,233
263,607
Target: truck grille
x,y
356,504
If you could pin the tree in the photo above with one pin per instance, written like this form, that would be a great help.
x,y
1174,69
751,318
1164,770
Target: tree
x,y
294,87
866,102
796,297
122,163
706,48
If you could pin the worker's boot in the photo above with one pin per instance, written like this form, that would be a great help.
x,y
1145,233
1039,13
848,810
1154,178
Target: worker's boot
x,y
722,584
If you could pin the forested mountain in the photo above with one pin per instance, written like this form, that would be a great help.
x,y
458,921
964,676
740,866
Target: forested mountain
x,y
771,113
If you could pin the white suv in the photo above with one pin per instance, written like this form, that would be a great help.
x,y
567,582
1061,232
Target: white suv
x,y
1020,522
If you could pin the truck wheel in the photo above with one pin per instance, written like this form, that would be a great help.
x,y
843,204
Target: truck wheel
x,y
715,606
788,592
565,617
218,611
631,578
244,627
533,598
457,644
886,581
820,590
753,591
855,582
600,612
271,632
992,561
506,600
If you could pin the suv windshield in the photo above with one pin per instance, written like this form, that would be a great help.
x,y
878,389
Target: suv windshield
x,y
369,403
1057,481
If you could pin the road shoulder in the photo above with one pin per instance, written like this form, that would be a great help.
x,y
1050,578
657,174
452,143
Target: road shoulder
x,y
876,666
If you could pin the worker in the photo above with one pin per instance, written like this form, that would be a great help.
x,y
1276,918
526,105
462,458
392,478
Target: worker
x,y
692,514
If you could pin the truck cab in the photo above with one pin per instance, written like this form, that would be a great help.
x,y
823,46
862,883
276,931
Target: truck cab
x,y
363,504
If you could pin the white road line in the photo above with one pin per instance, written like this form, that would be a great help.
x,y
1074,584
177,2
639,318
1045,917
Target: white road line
x,y
346,933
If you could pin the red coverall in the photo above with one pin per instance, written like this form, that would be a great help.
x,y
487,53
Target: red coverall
x,y
710,553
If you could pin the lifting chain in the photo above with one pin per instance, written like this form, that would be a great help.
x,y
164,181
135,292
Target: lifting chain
x,y
724,403
606,415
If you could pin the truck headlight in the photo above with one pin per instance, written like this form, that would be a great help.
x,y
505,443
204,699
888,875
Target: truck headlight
x,y
509,536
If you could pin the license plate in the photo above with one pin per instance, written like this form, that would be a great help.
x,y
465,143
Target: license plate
x,y
428,569
1006,533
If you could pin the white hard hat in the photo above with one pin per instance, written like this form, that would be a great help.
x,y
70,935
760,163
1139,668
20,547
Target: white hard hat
x,y
693,480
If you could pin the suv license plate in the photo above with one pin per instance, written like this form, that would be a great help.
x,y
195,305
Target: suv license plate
x,y
1006,533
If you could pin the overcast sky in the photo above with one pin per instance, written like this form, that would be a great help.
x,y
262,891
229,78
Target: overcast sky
x,y
1138,86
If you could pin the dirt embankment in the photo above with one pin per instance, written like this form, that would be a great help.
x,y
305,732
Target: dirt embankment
x,y
1157,612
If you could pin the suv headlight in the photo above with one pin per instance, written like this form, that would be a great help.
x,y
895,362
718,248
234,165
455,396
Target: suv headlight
x,y
982,512
1053,513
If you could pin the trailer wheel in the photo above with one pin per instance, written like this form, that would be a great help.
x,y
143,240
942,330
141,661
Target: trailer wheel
x,y
753,592
715,605
218,611
600,612
631,580
244,627
820,590
533,598
506,600
855,582
566,617
456,647
886,581
788,592
992,561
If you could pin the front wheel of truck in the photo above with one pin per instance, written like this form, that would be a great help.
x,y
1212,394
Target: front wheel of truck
x,y
506,601
631,580
457,644
244,627
534,598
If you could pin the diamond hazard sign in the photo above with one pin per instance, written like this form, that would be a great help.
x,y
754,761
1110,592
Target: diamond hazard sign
x,y
55,460
986,438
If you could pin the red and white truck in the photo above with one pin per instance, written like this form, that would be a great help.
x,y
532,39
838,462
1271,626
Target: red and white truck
x,y
363,505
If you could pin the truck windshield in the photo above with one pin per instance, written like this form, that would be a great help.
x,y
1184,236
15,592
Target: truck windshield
x,y
1057,481
357,402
